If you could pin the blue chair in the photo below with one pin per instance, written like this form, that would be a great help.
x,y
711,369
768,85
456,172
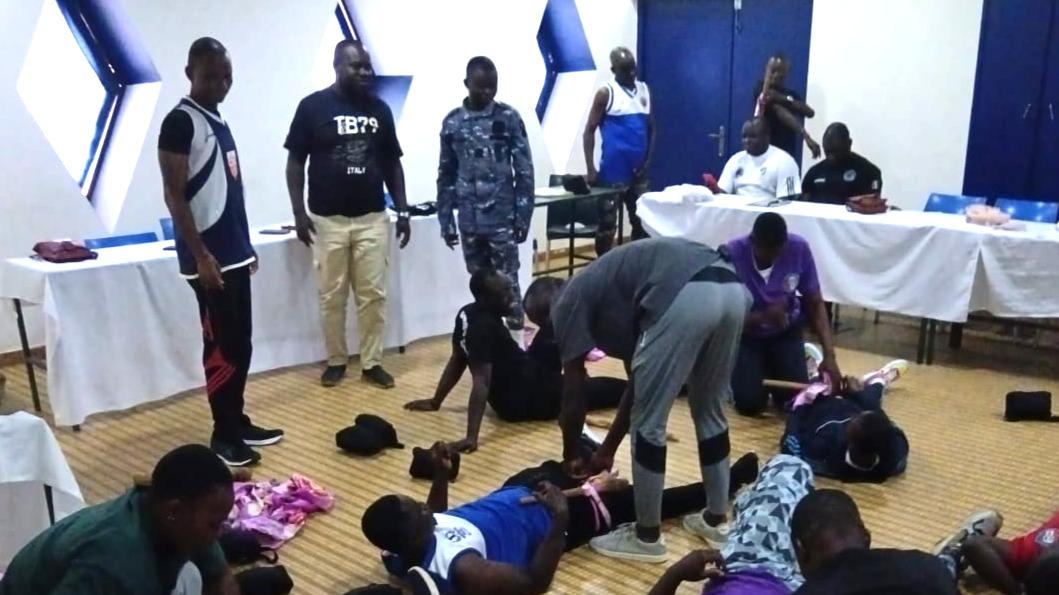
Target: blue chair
x,y
954,204
167,228
1029,210
126,240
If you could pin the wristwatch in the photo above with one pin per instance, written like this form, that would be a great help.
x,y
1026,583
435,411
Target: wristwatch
x,y
403,215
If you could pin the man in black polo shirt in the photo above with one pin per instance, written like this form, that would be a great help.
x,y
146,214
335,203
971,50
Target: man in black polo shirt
x,y
783,108
349,138
834,552
843,174
519,385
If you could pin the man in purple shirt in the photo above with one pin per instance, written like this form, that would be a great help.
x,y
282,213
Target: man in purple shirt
x,y
778,270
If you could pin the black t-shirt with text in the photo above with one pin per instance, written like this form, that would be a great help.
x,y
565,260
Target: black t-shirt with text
x,y
781,135
881,572
350,144
836,181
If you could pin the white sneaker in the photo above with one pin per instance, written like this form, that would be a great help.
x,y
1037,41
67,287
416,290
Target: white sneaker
x,y
887,374
715,536
813,357
624,544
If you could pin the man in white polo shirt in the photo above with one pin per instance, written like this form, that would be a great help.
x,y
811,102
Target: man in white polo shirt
x,y
761,170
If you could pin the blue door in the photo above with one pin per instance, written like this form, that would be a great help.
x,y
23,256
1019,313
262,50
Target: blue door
x,y
685,57
762,28
1044,183
1007,106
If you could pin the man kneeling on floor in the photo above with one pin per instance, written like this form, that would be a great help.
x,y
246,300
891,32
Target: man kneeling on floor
x,y
498,545
160,539
848,437
519,385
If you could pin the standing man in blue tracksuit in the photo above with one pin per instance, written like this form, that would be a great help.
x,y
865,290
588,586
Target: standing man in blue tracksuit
x,y
486,173
621,110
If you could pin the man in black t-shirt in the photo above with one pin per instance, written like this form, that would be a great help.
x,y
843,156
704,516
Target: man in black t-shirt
x,y
783,108
349,138
843,174
833,549
519,385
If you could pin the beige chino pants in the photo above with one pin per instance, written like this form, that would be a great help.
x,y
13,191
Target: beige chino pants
x,y
352,252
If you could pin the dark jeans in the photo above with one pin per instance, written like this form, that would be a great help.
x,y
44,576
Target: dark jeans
x,y
608,216
675,502
781,357
869,399
227,329
542,401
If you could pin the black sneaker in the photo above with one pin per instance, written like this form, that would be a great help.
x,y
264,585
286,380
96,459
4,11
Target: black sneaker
x,y
421,582
234,455
256,436
333,375
743,472
377,376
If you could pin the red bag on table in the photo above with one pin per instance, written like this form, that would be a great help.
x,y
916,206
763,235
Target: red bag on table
x,y
63,252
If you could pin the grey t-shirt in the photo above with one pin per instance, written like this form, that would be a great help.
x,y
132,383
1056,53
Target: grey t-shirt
x,y
626,290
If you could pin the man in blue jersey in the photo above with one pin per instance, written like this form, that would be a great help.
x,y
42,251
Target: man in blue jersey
x,y
498,545
203,189
621,110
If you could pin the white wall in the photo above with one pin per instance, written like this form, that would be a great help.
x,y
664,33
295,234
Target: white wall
x,y
901,74
274,46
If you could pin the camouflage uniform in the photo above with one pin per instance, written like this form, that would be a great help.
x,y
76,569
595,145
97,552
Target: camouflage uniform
x,y
486,174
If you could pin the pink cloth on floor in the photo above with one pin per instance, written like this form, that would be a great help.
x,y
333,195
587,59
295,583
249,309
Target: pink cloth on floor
x,y
275,511
595,355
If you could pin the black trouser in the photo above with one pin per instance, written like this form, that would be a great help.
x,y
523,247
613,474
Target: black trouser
x,y
532,401
675,502
781,357
227,329
608,216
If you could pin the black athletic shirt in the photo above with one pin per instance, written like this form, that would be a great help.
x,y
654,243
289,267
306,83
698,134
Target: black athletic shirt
x,y
350,144
781,136
484,339
881,572
836,181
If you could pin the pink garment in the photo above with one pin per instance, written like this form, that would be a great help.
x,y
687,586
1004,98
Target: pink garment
x,y
811,392
276,511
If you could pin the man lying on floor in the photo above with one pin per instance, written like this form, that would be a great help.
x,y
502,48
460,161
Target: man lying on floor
x,y
519,385
160,539
498,545
849,437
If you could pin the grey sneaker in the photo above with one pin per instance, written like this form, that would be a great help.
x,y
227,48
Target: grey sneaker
x,y
715,536
983,522
622,543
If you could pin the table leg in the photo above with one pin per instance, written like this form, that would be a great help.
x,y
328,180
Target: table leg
x,y
956,336
400,350
27,355
931,335
921,349
570,247
51,504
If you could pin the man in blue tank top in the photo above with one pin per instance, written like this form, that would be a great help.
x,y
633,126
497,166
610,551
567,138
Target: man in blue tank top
x,y
203,188
621,110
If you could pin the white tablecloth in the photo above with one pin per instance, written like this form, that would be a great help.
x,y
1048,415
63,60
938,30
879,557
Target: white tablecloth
x,y
920,264
123,329
30,457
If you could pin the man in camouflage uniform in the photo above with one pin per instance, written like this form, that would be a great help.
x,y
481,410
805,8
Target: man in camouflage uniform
x,y
486,173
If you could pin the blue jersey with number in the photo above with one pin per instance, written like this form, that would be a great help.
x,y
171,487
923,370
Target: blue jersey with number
x,y
497,527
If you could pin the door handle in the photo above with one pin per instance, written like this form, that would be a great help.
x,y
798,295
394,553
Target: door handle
x,y
1051,112
722,140
1026,112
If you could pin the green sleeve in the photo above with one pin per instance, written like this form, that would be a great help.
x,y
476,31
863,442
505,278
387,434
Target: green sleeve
x,y
85,579
211,563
